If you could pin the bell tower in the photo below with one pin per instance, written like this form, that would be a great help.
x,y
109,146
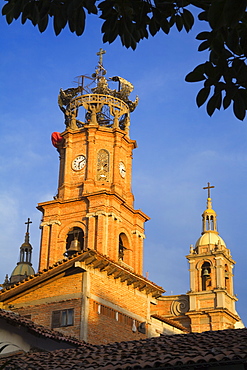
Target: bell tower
x,y
211,295
93,208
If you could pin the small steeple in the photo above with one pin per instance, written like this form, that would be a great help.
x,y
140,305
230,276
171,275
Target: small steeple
x,y
209,223
26,248
24,266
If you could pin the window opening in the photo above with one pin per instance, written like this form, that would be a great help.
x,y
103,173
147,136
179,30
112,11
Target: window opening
x,y
206,276
227,277
212,223
62,318
121,248
74,241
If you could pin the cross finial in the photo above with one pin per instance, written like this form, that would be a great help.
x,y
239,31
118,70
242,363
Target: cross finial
x,y
28,223
100,53
208,187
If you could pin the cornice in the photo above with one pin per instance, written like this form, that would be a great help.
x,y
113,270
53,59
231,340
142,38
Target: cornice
x,y
95,194
213,311
84,260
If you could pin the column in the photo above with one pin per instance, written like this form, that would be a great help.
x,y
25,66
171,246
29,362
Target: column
x,y
192,271
220,280
85,306
90,241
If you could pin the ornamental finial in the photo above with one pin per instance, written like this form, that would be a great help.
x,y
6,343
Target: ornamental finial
x,y
208,187
100,53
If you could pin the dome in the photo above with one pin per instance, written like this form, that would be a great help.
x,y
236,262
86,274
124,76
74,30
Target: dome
x,y
209,211
22,269
210,238
26,245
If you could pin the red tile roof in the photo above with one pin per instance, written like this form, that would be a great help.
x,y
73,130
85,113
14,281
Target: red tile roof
x,y
178,351
38,330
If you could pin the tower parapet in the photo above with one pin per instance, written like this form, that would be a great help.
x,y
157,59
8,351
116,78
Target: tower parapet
x,y
103,105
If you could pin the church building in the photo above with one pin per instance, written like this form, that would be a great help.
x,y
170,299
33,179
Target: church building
x,y
90,281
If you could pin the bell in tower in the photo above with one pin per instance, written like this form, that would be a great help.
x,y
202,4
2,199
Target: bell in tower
x,y
74,242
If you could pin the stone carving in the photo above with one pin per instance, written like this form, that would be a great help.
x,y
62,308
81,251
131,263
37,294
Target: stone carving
x,y
103,165
105,107
125,88
64,99
102,87
180,306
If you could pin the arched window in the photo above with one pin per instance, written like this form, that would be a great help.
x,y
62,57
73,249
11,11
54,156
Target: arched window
x,y
74,241
25,255
211,223
206,276
227,285
122,247
103,165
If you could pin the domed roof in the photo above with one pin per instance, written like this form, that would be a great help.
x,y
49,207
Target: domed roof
x,y
26,245
210,237
23,269
209,211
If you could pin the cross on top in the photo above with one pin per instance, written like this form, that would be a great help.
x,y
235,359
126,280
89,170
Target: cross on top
x,y
208,187
28,223
100,53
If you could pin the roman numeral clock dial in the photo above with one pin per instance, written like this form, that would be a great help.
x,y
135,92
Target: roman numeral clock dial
x,y
79,163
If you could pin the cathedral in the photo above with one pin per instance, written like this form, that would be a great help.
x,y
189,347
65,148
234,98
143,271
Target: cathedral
x,y
90,282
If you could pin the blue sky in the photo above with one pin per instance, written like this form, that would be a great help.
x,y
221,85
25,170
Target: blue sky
x,y
180,148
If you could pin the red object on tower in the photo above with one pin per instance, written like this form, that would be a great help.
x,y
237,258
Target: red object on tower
x,y
56,139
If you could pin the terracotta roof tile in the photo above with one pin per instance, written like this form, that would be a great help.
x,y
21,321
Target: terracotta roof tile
x,y
170,352
38,330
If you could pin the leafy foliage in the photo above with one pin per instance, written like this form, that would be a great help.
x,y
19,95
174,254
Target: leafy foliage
x,y
224,74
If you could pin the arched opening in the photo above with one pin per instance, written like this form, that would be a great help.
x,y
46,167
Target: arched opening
x,y
74,241
123,248
22,255
227,278
211,223
206,276
25,255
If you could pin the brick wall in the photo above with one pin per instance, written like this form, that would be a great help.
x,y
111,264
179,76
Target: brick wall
x,y
80,195
107,325
119,293
42,314
105,309
59,287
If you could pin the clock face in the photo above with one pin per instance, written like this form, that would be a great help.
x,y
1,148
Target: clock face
x,y
79,162
122,169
